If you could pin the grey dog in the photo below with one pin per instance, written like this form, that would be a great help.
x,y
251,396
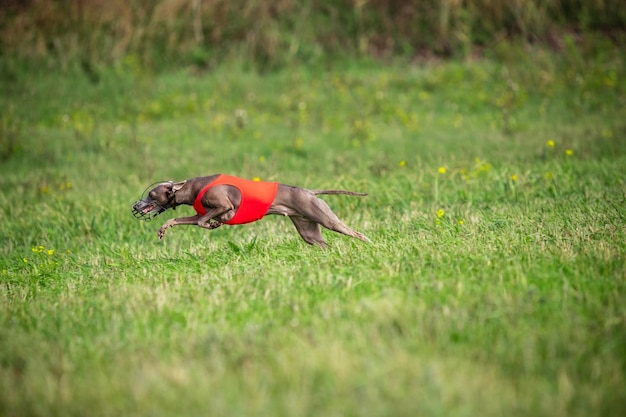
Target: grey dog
x,y
217,200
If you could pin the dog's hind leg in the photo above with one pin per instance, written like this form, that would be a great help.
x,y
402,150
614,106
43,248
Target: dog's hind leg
x,y
310,231
319,212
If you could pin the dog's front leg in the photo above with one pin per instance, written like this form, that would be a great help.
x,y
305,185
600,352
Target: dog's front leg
x,y
191,220
202,221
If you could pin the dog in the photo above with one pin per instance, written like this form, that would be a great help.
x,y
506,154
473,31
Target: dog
x,y
222,199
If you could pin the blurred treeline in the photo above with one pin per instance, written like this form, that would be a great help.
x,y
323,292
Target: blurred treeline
x,y
275,33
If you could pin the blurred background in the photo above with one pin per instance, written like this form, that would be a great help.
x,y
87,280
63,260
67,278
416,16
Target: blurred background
x,y
272,34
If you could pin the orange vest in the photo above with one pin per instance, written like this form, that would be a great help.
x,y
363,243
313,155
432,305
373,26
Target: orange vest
x,y
256,198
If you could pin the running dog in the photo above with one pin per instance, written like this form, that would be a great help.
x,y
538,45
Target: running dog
x,y
223,199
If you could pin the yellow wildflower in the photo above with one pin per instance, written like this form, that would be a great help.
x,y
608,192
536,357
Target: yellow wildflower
x,y
514,177
261,159
402,163
50,251
483,167
442,170
440,213
550,143
569,152
461,221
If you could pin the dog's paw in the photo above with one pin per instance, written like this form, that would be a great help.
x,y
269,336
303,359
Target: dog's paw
x,y
161,232
214,224
210,224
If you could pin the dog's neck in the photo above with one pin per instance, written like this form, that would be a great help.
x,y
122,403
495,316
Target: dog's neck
x,y
185,195
189,189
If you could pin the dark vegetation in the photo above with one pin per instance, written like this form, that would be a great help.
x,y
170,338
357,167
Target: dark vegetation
x,y
270,34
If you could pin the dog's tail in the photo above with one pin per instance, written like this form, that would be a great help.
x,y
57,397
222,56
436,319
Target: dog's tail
x,y
316,192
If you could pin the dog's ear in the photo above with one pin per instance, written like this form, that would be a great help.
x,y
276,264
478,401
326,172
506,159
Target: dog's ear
x,y
178,185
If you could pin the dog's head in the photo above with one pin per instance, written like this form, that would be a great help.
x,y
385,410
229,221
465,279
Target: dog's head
x,y
155,201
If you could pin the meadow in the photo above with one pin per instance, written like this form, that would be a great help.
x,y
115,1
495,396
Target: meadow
x,y
495,283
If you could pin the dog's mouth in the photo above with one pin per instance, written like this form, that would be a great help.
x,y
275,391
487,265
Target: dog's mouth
x,y
146,211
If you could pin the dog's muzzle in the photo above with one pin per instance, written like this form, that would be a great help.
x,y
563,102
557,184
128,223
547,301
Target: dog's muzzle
x,y
145,211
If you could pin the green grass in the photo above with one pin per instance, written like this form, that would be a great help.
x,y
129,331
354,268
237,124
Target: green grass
x,y
497,287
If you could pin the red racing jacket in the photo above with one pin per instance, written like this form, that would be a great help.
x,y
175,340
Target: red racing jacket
x,y
256,198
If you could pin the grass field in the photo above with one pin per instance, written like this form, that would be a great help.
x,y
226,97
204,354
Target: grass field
x,y
495,284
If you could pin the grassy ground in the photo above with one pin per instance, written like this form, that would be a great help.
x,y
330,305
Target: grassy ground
x,y
495,284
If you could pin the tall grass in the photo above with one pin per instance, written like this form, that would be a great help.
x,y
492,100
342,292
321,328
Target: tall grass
x,y
271,34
